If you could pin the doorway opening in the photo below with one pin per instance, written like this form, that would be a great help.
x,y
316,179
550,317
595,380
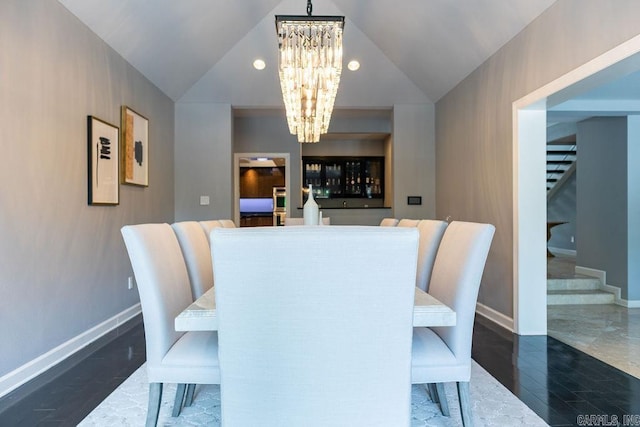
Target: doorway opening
x,y
262,173
529,160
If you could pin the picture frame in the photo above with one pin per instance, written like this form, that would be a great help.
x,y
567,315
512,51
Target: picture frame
x,y
103,162
135,148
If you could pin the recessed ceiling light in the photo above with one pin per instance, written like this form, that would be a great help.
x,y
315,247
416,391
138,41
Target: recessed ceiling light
x,y
353,65
259,64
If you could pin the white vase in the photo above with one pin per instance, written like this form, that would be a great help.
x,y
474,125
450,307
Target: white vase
x,y
310,210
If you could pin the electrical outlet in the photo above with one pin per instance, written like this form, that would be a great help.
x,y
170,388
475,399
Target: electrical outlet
x,y
573,239
130,283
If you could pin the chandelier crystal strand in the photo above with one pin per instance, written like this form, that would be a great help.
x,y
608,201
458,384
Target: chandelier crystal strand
x,y
309,64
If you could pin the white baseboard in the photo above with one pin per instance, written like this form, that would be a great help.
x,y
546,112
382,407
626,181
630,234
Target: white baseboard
x,y
623,302
495,316
630,303
592,272
568,252
615,290
35,367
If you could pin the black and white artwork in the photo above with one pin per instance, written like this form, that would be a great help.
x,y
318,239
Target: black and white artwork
x,y
103,162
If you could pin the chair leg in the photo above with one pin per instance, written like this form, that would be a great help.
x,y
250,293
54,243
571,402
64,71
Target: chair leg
x,y
433,392
442,399
177,403
155,395
188,400
465,404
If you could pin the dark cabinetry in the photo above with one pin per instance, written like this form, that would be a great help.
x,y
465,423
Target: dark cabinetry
x,y
344,177
259,182
256,221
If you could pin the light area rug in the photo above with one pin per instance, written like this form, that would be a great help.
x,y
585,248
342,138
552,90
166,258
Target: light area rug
x,y
493,405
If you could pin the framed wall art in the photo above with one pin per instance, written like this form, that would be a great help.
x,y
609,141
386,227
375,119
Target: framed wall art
x,y
135,148
103,162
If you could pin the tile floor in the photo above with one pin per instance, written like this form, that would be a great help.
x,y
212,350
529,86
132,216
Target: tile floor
x,y
608,332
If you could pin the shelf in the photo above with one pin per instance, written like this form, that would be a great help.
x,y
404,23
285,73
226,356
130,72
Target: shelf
x,y
344,177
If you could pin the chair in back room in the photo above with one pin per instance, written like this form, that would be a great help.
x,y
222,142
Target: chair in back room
x,y
404,222
227,223
389,222
209,225
194,244
431,232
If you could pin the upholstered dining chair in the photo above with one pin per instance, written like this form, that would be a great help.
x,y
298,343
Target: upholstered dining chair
x,y
194,244
408,222
227,223
431,232
443,354
163,285
389,222
302,348
209,225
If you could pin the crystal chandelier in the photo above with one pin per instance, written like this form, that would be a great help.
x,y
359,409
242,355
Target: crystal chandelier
x,y
309,64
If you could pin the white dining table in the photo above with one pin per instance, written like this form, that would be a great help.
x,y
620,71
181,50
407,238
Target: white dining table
x,y
202,316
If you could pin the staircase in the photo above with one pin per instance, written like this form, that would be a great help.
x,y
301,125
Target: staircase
x,y
577,290
564,287
561,162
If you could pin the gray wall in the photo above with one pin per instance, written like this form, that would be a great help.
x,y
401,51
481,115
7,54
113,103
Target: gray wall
x,y
203,161
63,265
202,150
609,200
414,160
346,147
562,207
474,155
602,198
633,206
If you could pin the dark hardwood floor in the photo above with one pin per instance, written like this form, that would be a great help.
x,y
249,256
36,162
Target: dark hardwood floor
x,y
559,383
67,393
564,386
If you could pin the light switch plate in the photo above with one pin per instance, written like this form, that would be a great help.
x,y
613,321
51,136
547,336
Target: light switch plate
x,y
204,200
414,200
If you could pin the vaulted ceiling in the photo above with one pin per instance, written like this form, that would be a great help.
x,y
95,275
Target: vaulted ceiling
x,y
202,50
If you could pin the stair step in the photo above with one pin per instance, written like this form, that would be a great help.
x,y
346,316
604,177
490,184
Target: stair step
x,y
575,297
561,152
559,162
575,284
